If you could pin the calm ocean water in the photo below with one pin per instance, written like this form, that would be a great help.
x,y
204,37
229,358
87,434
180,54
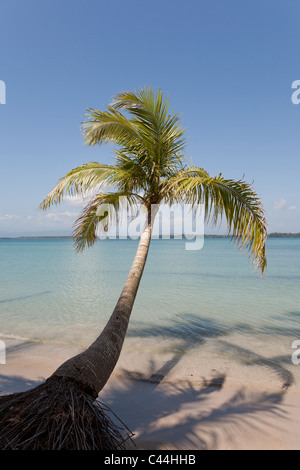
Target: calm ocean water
x,y
48,293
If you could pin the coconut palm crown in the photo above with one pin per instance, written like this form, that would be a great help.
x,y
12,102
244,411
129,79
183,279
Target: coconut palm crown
x,y
149,168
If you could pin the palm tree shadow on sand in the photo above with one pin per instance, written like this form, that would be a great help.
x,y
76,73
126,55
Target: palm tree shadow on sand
x,y
176,416
16,383
190,331
192,415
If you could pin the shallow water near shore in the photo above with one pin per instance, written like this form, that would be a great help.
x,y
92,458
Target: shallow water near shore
x,y
195,310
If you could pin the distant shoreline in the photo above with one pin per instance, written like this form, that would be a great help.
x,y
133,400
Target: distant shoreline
x,y
50,237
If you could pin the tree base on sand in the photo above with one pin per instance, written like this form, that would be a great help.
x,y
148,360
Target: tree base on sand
x,y
58,415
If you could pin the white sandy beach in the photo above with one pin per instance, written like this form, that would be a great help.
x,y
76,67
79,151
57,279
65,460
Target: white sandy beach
x,y
178,405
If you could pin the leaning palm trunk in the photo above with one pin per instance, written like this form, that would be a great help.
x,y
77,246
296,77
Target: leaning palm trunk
x,y
63,413
93,367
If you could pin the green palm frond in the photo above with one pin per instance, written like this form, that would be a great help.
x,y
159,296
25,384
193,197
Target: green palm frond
x,y
82,179
108,126
100,213
160,130
236,200
146,105
135,176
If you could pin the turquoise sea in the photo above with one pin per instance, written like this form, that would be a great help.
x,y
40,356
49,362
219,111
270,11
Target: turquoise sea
x,y
186,300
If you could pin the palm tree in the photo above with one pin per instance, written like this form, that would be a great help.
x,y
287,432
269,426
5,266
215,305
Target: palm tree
x,y
149,169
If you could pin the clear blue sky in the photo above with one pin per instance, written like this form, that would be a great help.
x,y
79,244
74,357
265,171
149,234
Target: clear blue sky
x,y
227,66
